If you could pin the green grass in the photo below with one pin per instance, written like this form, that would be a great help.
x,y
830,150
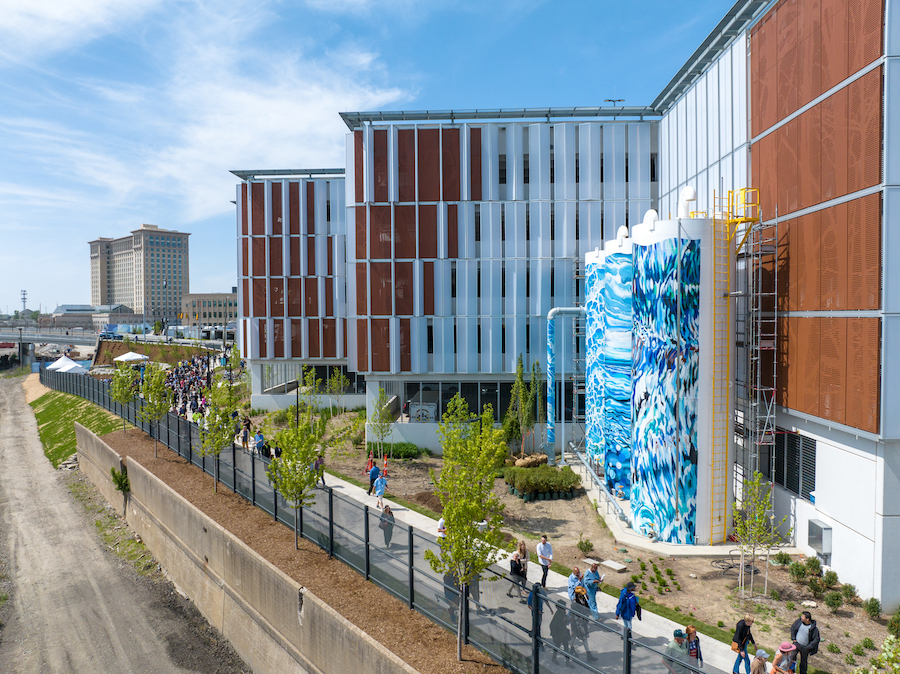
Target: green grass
x,y
55,413
18,372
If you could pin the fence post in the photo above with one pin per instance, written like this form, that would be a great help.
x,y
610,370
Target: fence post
x,y
465,612
536,628
626,650
233,467
366,537
253,478
330,522
412,590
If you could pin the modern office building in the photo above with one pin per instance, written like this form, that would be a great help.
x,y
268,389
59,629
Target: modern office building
x,y
146,270
463,229
208,309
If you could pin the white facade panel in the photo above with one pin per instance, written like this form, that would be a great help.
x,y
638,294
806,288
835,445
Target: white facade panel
x,y
516,241
442,288
466,288
444,360
727,109
393,166
589,137
369,165
515,163
539,161
350,182
615,143
540,229
638,161
466,230
418,347
564,241
636,212
690,108
467,345
540,286
394,337
490,162
491,289
465,163
564,149
613,218
564,283
515,342
702,124
714,106
491,230
739,92
590,226
491,344
516,289
856,467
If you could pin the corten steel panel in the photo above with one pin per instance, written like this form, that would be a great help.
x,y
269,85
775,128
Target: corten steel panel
x,y
380,232
329,247
314,348
404,288
810,158
791,261
404,231
244,209
380,161
807,356
276,208
329,297
263,348
275,255
788,26
329,338
788,78
863,372
276,297
310,255
258,208
310,208
830,8
427,231
362,345
428,288
767,276
310,297
381,345
246,307
833,266
755,127
358,164
833,124
245,351
810,20
809,241
768,98
259,297
406,164
810,68
450,163
429,168
765,160
362,226
833,368
278,338
381,285
452,231
834,47
258,249
362,289
295,297
294,246
765,43
475,164
405,350
787,138
245,257
864,131
296,338
294,207
864,252
865,29
782,369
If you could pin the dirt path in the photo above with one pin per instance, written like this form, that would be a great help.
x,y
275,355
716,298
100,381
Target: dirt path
x,y
74,607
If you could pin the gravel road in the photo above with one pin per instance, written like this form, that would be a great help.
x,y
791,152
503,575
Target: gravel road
x,y
74,607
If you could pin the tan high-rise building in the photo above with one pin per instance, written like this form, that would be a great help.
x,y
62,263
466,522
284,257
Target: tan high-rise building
x,y
146,270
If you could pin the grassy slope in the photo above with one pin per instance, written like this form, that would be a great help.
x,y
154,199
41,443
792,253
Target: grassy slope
x,y
55,413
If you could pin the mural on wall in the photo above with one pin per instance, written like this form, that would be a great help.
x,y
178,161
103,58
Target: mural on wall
x,y
615,364
593,281
665,375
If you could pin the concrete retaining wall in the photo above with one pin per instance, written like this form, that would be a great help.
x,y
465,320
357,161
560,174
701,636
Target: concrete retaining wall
x,y
272,622
95,458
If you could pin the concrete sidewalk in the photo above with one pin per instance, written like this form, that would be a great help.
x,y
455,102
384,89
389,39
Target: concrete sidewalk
x,y
653,630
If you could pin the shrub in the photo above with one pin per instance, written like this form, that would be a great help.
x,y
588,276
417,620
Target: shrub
x,y
660,590
635,578
281,417
678,609
814,566
775,594
789,605
542,479
396,450
833,648
721,623
644,587
782,558
850,660
670,573
858,650
815,586
849,591
798,572
834,601
830,579
872,607
893,626
663,583
765,628
584,545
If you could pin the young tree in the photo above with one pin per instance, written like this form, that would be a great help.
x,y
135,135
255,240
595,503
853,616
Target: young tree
x,y
888,661
220,428
157,398
122,389
536,395
754,528
513,431
465,486
381,422
336,387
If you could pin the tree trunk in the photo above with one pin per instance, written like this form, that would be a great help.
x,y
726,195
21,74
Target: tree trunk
x,y
216,476
766,585
156,439
741,573
752,575
296,545
459,623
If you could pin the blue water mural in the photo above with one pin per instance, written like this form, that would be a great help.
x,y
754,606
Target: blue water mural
x,y
665,371
551,387
615,365
593,284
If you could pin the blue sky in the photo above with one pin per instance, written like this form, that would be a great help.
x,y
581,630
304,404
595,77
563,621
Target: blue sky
x,y
111,117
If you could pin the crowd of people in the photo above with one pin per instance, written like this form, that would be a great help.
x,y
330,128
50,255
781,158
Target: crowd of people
x,y
189,380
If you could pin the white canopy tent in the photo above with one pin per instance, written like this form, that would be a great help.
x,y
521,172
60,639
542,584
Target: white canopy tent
x,y
131,356
74,368
63,361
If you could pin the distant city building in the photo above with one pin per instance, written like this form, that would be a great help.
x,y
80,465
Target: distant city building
x,y
146,270
208,308
88,316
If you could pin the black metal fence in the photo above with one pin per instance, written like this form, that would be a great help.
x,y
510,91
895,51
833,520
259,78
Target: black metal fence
x,y
496,618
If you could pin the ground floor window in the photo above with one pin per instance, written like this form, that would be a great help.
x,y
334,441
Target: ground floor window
x,y
795,463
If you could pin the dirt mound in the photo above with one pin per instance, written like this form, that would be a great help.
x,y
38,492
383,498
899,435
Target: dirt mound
x,y
158,353
34,389
429,499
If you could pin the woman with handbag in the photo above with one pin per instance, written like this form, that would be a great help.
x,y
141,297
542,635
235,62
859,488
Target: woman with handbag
x,y
387,525
742,636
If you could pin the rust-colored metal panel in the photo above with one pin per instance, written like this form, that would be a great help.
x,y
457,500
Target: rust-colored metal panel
x,y
452,231
864,131
809,238
833,368
863,373
246,307
765,160
810,20
810,172
380,232
310,207
259,257
404,231
362,345
245,257
788,25
833,259
314,341
475,163
244,212
263,347
329,247
788,77
381,345
278,338
795,371
450,163
865,30
245,347
294,246
358,165
276,208
794,264
787,138
831,7
429,168
362,289
427,231
834,46
259,297
381,285
782,361
767,278
833,124
295,297
810,66
428,288
362,226
380,161
296,337
276,297
329,338
294,207
765,43
755,119
311,296
343,353
784,265
768,98
807,356
258,209
406,164
403,289
864,252
405,348
275,256
310,255
329,297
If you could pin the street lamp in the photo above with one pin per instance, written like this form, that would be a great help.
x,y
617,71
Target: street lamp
x,y
165,307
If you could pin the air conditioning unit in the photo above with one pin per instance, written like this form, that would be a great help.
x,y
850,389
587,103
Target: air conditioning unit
x,y
819,538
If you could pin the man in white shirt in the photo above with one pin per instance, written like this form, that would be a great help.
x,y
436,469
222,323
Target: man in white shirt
x,y
545,557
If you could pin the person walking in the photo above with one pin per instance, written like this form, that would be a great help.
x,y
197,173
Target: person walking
x,y
575,581
245,433
676,654
442,528
319,467
692,643
592,581
742,636
523,555
387,525
805,636
759,662
380,487
374,472
629,605
785,660
517,576
259,441
545,557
